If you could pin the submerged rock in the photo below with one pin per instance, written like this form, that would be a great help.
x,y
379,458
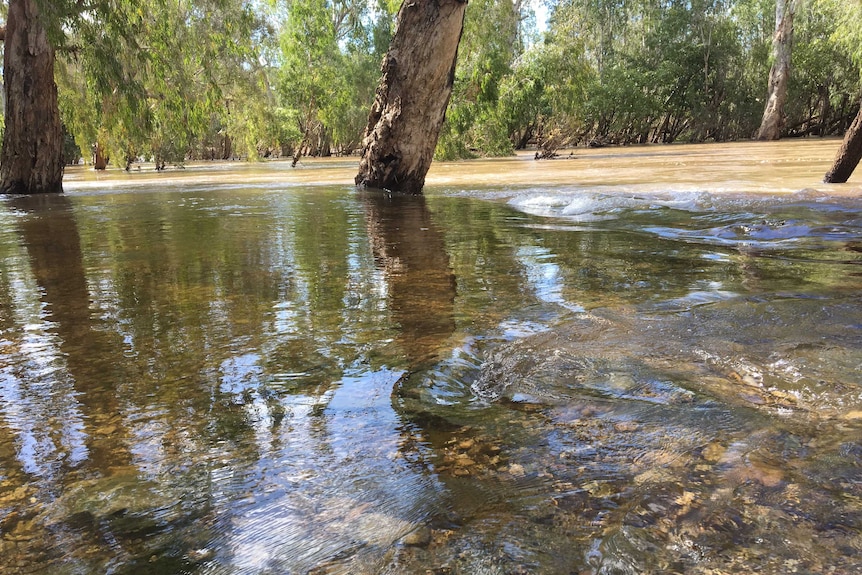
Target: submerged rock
x,y
420,537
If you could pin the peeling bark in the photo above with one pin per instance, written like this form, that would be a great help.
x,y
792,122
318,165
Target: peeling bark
x,y
848,155
774,119
100,160
31,160
227,149
410,105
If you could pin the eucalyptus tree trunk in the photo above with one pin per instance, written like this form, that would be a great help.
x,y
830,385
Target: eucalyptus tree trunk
x,y
31,160
848,155
773,116
100,160
227,149
410,104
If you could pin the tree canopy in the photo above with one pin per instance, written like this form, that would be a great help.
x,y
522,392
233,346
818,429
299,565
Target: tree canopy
x,y
173,80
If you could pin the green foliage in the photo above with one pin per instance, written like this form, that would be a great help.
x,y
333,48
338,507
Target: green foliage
x,y
330,54
546,93
489,45
628,71
697,70
826,80
147,78
176,79
846,31
171,80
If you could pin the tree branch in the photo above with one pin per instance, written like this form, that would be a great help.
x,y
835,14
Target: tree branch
x,y
2,33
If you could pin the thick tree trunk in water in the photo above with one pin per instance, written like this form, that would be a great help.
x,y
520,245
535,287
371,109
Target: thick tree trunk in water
x,y
32,157
848,155
773,116
227,151
100,160
410,105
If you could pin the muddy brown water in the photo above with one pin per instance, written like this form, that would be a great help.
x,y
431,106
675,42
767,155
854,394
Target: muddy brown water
x,y
626,361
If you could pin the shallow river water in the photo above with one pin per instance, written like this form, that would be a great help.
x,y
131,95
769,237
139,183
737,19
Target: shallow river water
x,y
627,361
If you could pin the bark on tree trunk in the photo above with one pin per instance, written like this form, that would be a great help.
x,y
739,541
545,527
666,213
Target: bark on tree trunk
x,y
848,155
227,151
100,160
411,100
773,116
297,153
31,160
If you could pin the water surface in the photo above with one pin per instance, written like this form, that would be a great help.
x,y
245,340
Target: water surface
x,y
637,360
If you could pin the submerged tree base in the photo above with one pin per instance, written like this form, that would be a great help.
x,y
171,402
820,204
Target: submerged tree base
x,y
849,154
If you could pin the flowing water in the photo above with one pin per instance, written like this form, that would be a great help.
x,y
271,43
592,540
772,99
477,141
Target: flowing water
x,y
638,360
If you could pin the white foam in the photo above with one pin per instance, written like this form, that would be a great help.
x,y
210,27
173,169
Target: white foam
x,y
575,205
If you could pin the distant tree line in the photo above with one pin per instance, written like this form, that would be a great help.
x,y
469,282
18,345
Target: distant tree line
x,y
223,79
646,71
174,80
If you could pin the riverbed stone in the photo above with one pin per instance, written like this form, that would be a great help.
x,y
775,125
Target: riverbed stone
x,y
420,537
713,452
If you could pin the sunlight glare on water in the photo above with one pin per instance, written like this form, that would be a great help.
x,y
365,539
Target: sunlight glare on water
x,y
625,360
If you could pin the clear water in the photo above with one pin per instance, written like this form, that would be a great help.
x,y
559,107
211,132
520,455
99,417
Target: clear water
x,y
643,360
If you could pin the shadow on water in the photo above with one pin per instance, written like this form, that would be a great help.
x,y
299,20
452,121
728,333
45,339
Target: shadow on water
x,y
49,231
410,250
83,490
